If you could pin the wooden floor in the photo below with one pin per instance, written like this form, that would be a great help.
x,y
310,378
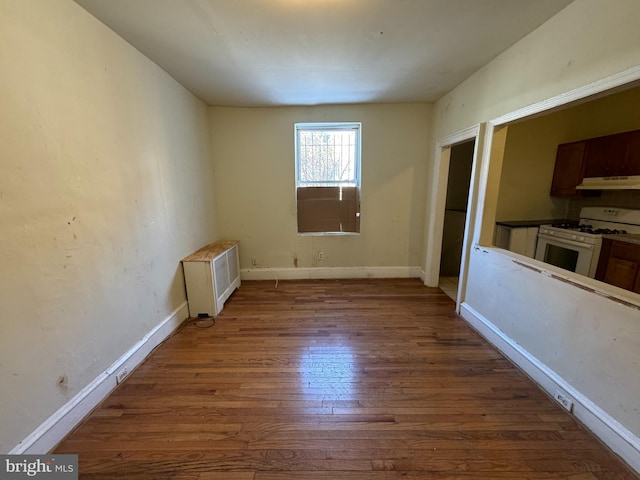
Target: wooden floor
x,y
353,380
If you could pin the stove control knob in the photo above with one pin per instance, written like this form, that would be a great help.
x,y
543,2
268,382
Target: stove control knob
x,y
573,237
581,239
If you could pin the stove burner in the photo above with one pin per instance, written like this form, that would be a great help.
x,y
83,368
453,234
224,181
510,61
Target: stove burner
x,y
585,228
601,231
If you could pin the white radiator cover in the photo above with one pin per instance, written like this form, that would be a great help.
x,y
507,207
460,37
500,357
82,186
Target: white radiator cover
x,y
211,281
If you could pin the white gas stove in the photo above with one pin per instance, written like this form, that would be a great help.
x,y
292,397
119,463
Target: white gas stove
x,y
576,246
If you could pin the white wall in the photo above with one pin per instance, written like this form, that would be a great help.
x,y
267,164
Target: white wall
x,y
106,184
253,150
590,341
585,42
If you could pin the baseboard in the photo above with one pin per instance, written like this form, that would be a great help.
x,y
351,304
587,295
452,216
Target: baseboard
x,y
44,438
601,424
264,273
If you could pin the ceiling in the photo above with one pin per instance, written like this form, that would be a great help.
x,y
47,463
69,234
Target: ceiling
x,y
309,52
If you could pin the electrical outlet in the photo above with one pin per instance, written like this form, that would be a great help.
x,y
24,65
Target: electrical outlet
x,y
254,262
320,255
121,374
564,399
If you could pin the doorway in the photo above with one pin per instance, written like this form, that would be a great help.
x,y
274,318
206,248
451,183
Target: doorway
x,y
455,216
436,207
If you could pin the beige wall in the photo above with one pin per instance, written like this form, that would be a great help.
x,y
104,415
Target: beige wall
x,y
530,152
106,184
253,151
591,342
585,42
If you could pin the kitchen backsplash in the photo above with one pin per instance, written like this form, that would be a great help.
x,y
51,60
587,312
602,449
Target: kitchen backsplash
x,y
611,198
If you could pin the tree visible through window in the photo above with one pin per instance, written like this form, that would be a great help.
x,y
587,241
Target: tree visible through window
x,y
327,157
328,177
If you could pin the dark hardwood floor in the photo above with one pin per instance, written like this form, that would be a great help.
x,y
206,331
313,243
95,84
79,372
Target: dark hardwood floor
x,y
349,379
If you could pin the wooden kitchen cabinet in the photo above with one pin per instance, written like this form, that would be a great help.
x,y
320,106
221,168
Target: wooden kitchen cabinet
x,y
619,264
631,164
604,156
569,169
615,155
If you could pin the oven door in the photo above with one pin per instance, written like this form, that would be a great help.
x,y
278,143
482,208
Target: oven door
x,y
568,254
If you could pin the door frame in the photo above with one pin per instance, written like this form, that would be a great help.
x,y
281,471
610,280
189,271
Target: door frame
x,y
437,205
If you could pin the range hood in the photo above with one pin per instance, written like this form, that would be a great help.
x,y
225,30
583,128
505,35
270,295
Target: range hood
x,y
631,182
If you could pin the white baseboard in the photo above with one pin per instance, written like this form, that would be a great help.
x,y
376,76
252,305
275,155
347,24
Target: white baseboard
x,y
607,429
264,273
44,438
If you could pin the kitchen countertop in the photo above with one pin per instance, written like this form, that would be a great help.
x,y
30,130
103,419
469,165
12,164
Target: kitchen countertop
x,y
624,237
532,223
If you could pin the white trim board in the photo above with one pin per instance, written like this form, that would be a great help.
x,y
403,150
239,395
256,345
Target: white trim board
x,y
53,430
603,86
600,423
317,273
435,218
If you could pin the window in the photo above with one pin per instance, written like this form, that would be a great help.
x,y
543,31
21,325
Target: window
x,y
328,177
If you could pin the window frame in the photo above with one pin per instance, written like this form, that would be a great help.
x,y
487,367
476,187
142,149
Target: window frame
x,y
323,126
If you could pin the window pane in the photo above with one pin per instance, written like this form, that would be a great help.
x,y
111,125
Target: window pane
x,y
327,156
328,177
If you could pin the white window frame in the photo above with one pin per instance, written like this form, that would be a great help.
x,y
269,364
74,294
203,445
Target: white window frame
x,y
357,126
323,126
